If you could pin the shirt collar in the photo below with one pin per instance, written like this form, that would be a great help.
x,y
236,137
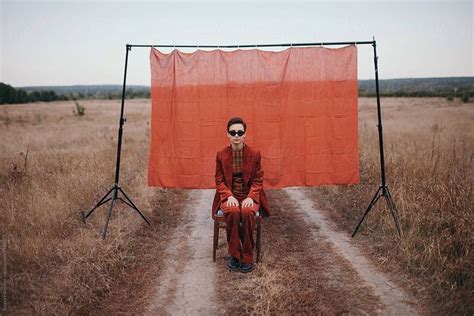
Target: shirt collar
x,y
237,150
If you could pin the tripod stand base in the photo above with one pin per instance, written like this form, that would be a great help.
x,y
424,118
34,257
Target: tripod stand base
x,y
382,191
113,193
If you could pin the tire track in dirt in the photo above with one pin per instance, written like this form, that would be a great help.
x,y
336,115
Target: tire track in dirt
x,y
187,284
395,300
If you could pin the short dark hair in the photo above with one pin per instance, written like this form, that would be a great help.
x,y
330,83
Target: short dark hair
x,y
236,120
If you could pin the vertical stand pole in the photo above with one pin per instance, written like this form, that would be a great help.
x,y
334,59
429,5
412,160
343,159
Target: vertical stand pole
x,y
383,189
116,188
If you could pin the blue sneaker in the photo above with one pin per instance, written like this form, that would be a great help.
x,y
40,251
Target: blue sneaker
x,y
233,264
246,267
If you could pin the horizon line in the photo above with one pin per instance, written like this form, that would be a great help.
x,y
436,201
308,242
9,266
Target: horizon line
x,y
136,84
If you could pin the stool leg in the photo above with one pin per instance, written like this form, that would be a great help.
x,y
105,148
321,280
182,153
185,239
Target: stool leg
x,y
259,237
216,240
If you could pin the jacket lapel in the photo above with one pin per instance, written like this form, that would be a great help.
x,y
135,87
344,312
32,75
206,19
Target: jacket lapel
x,y
227,165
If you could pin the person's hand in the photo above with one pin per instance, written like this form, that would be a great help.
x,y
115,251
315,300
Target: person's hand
x,y
232,201
248,202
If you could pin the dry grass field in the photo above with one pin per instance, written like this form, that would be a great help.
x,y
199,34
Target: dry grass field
x,y
54,164
429,144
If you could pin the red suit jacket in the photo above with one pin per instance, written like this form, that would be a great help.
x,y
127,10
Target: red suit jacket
x,y
252,174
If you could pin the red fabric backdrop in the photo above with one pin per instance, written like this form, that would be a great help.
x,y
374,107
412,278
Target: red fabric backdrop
x,y
300,106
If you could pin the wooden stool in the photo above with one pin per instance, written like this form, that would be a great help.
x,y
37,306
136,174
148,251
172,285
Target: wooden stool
x,y
219,222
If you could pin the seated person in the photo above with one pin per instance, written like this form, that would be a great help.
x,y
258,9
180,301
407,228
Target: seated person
x,y
239,193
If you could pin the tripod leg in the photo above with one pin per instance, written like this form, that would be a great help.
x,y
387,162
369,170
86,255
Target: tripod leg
x,y
104,202
114,197
97,205
393,210
119,198
372,203
134,206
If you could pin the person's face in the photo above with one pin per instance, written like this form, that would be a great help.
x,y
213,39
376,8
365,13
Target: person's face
x,y
236,139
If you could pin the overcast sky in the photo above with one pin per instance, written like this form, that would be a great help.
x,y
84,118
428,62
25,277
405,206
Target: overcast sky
x,y
78,42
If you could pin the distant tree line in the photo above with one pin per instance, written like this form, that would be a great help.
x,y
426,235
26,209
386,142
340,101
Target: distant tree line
x,y
8,94
420,93
449,88
108,95
11,95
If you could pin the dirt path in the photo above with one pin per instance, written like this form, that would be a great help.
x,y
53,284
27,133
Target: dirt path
x,y
394,299
187,285
307,267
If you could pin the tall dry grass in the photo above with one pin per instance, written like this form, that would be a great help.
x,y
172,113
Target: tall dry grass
x,y
53,165
429,168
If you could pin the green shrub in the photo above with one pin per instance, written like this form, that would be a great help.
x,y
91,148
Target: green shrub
x,y
79,110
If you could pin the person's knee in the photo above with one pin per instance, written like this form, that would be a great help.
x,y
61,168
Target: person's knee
x,y
248,211
231,210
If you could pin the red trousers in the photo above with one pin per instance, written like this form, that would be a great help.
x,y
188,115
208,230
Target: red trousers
x,y
240,225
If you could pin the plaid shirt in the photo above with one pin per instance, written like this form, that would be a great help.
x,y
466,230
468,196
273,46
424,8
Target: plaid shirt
x,y
239,188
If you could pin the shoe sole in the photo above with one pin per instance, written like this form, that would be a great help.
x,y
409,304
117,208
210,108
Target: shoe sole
x,y
246,271
233,269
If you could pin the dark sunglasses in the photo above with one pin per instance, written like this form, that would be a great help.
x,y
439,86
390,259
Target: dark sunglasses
x,y
233,133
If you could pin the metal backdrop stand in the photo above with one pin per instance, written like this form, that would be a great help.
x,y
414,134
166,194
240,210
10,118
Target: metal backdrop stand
x,y
382,191
383,188
116,188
